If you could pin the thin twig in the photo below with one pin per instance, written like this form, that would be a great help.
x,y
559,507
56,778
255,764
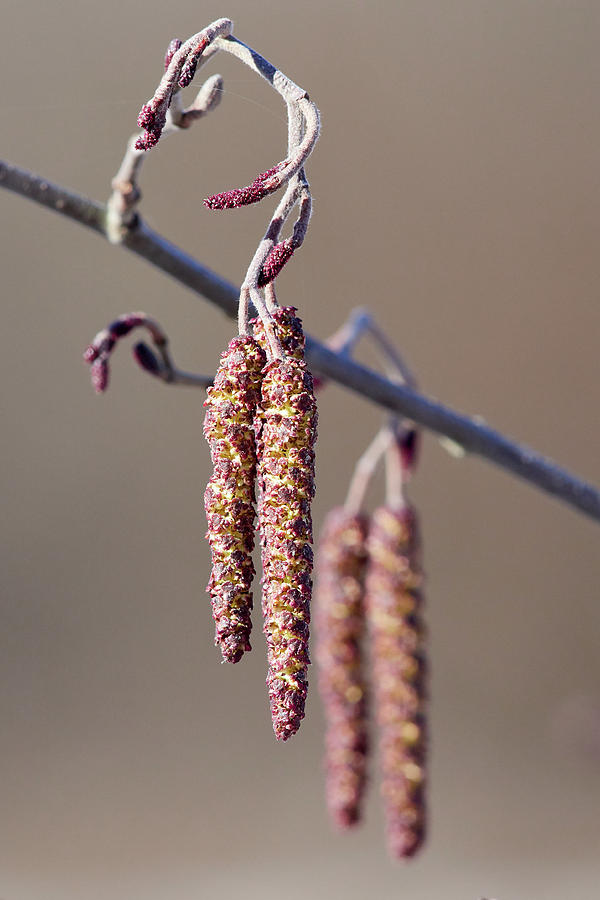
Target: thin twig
x,y
365,468
395,359
473,435
173,375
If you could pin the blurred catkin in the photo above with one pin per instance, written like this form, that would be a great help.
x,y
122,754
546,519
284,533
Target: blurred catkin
x,y
393,600
286,430
229,498
340,620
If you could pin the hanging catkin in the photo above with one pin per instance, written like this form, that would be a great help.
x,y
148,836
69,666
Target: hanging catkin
x,y
286,430
288,327
394,601
340,620
229,498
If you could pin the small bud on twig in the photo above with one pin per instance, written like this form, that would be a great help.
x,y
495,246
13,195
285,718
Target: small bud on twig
x,y
275,261
99,351
146,359
409,446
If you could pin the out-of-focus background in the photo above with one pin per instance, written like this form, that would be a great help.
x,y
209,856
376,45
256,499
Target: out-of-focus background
x,y
457,195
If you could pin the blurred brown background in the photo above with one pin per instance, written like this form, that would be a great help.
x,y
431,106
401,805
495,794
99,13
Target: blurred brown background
x,y
457,194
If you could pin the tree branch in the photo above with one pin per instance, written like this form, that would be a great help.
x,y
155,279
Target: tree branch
x,y
474,436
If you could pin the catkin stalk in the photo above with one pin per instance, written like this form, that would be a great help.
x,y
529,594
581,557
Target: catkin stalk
x,y
340,619
229,498
394,601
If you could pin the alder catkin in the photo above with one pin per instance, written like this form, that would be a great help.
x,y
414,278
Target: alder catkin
x,y
286,430
288,327
340,620
393,601
229,498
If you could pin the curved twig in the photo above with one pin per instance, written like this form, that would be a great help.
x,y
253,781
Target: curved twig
x,y
164,113
99,352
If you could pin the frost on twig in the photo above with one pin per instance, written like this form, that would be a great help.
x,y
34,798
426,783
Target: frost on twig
x,y
98,353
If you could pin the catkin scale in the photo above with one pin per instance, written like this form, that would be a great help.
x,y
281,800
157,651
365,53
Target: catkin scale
x,y
229,497
393,601
285,437
339,613
289,331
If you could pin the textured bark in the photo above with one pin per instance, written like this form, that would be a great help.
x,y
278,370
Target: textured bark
x,y
229,498
340,619
394,602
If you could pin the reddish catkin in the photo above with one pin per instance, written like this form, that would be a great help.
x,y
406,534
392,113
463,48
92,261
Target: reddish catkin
x,y
286,466
286,431
393,600
289,331
229,498
340,619
275,261
262,185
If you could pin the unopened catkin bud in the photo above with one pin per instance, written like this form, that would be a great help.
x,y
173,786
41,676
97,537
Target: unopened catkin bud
x,y
340,621
229,498
394,609
286,430
264,183
278,256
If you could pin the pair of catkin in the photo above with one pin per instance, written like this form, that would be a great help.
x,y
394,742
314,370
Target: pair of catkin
x,y
261,427
370,573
